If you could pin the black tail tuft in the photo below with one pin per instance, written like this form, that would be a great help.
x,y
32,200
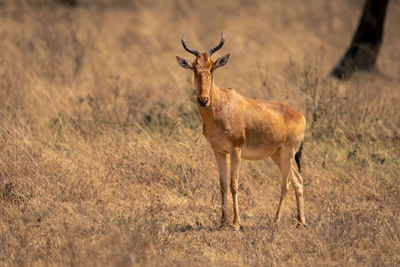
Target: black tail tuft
x,y
297,156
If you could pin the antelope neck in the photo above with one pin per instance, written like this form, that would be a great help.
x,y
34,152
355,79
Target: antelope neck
x,y
208,112
211,88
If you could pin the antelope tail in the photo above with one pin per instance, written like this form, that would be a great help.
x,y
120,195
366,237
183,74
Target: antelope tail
x,y
297,156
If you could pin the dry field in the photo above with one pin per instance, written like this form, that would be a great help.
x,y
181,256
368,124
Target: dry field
x,y
102,157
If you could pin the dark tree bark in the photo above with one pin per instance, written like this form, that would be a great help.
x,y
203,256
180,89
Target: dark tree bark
x,y
367,40
71,3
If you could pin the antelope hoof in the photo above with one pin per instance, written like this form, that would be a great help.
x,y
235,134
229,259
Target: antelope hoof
x,y
301,222
236,228
301,225
223,225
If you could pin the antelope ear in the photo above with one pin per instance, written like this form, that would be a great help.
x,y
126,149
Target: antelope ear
x,y
184,63
221,61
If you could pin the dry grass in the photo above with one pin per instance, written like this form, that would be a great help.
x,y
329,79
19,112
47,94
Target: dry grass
x,y
102,160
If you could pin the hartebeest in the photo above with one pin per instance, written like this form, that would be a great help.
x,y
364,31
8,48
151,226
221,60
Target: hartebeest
x,y
246,128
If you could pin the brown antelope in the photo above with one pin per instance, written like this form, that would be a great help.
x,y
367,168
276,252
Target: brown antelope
x,y
246,128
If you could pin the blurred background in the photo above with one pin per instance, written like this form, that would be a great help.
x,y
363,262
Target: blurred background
x,y
102,158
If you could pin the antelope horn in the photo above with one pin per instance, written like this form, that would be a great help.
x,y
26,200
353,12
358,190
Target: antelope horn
x,y
192,51
221,43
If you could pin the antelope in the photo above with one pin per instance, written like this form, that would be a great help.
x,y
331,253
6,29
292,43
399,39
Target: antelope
x,y
245,128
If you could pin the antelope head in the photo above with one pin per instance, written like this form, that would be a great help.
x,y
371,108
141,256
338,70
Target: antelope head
x,y
203,68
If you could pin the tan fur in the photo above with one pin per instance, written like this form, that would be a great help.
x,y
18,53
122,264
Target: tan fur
x,y
250,129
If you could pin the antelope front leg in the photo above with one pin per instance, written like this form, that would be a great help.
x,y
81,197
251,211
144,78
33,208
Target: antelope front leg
x,y
235,162
223,173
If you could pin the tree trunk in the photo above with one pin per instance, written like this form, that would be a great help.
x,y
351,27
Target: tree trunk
x,y
71,3
367,40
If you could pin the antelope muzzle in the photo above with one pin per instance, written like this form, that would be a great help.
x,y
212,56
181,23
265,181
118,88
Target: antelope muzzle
x,y
203,100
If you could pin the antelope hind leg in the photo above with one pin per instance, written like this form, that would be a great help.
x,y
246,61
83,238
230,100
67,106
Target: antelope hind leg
x,y
297,182
283,163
